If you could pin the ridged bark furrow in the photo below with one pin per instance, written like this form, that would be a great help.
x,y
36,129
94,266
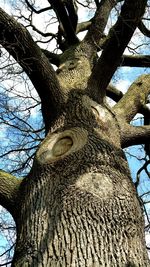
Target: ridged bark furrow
x,y
74,223
79,207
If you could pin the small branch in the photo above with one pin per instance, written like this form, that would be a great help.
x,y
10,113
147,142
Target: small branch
x,y
144,167
8,250
134,135
53,58
37,11
18,150
136,61
6,263
114,93
83,26
146,113
9,186
136,96
143,29
145,194
83,4
30,24
145,211
118,38
46,34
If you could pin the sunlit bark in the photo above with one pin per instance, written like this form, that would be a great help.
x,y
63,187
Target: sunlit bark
x,y
78,205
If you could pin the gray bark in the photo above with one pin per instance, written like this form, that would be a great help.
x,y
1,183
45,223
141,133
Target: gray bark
x,y
79,207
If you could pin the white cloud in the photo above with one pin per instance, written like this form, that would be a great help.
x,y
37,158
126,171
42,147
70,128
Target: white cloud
x,y
3,129
123,85
6,6
147,238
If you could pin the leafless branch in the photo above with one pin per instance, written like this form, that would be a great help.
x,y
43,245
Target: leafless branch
x,y
37,11
118,38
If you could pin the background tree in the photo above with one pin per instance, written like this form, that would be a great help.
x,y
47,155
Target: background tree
x,y
76,205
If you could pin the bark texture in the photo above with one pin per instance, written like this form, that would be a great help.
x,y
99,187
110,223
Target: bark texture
x,y
9,186
79,207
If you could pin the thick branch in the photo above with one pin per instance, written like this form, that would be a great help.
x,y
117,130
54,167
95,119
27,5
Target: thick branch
x,y
134,135
146,113
83,26
114,93
52,57
118,38
19,43
96,30
9,186
142,61
64,17
96,2
136,97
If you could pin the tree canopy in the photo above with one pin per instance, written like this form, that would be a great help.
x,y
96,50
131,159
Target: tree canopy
x,y
52,49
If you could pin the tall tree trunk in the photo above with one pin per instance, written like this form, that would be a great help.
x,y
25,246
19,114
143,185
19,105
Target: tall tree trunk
x,y
78,206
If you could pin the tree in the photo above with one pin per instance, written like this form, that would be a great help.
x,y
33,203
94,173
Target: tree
x,y
78,206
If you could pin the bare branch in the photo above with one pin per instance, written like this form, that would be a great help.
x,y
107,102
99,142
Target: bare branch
x,y
134,135
143,29
142,61
46,34
96,30
114,93
9,186
118,38
52,57
145,111
6,263
37,11
97,3
83,26
19,43
136,97
66,17
144,167
10,248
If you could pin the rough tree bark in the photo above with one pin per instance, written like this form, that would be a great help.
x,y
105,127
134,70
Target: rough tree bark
x,y
78,206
